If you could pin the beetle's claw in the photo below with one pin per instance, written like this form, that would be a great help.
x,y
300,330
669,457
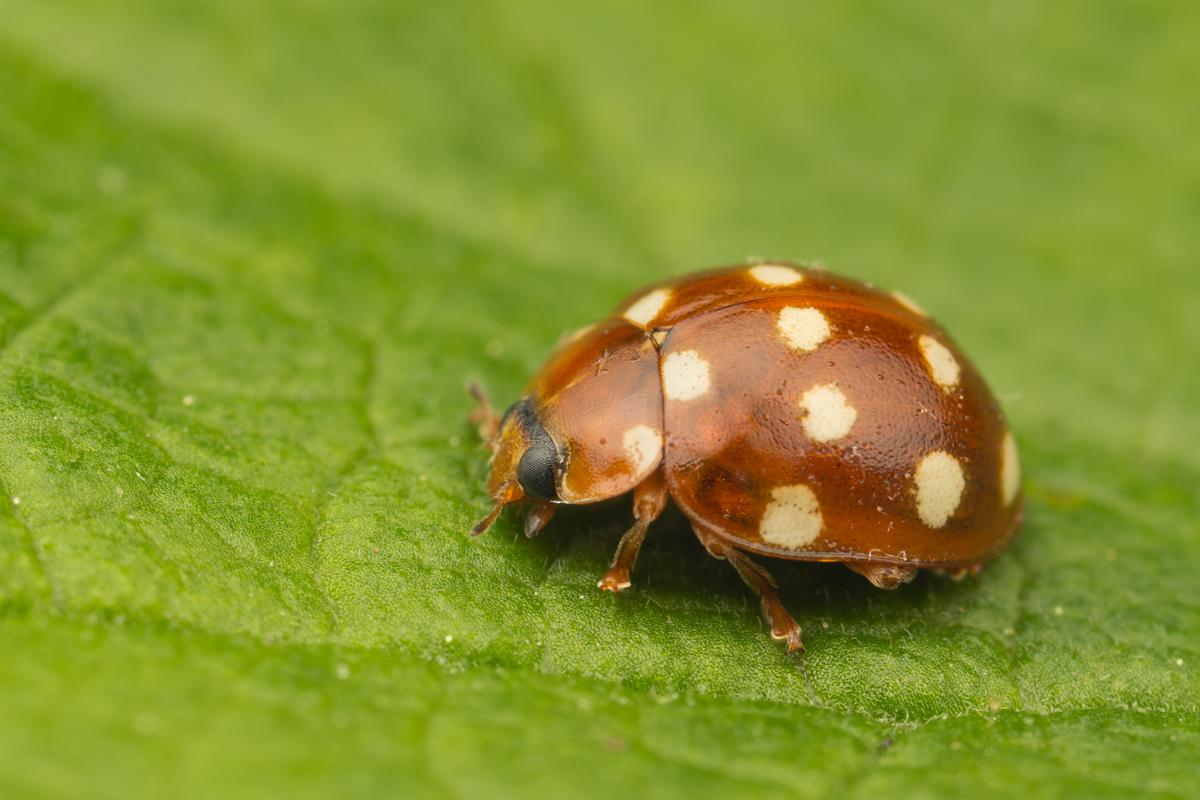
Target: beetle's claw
x,y
958,573
791,633
784,628
615,580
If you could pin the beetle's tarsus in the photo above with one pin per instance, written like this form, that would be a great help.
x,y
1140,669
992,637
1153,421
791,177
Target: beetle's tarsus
x,y
783,627
649,500
617,577
959,573
789,631
615,580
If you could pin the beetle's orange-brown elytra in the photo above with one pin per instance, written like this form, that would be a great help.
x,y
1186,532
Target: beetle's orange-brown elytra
x,y
787,411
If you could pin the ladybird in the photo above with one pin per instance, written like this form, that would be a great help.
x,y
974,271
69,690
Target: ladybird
x,y
787,411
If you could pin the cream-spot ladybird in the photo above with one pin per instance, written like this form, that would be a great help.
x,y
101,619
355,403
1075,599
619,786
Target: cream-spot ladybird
x,y
787,411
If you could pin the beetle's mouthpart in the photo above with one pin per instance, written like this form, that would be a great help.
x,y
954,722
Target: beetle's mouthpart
x,y
538,517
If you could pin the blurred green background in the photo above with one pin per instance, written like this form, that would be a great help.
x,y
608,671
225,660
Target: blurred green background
x,y
251,252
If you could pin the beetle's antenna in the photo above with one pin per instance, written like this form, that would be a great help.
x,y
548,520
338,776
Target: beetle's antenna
x,y
487,521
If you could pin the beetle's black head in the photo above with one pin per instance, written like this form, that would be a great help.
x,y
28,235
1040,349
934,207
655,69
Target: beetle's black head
x,y
537,471
526,454
526,463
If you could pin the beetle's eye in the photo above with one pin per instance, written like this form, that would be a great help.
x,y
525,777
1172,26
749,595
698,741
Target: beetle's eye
x,y
536,471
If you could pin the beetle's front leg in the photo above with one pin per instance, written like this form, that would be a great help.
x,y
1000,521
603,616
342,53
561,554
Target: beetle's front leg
x,y
649,500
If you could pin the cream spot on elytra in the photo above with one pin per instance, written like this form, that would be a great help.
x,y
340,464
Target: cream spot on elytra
x,y
793,517
803,328
772,275
685,376
909,303
942,364
643,445
940,485
1010,469
648,307
829,415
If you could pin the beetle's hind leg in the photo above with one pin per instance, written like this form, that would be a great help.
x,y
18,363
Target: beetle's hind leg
x,y
782,625
885,576
649,500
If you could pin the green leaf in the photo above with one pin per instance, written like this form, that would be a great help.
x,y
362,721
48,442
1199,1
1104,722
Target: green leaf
x,y
251,254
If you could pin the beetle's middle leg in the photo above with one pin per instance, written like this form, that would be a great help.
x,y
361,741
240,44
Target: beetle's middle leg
x,y
782,625
649,500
